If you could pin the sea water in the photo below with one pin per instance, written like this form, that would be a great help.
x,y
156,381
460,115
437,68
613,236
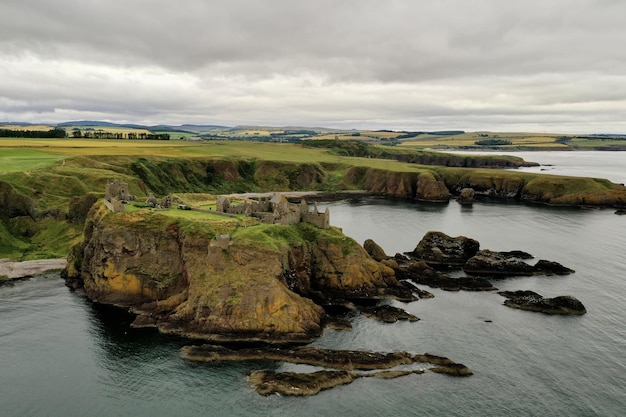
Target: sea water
x,y
61,355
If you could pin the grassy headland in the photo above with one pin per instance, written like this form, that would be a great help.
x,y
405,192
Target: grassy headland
x,y
47,185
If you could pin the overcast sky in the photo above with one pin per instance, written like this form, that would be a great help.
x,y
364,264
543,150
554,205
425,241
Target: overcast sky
x,y
532,65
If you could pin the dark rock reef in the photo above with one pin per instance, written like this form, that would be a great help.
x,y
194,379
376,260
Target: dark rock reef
x,y
344,364
531,301
490,263
387,313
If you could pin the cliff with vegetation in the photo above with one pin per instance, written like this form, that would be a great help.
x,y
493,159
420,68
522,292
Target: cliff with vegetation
x,y
266,284
42,211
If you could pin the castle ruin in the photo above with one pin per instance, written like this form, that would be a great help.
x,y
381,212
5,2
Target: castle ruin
x,y
116,195
275,210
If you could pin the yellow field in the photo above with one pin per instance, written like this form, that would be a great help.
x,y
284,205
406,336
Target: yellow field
x,y
469,139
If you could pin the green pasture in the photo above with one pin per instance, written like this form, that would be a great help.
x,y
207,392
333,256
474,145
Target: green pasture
x,y
51,151
17,160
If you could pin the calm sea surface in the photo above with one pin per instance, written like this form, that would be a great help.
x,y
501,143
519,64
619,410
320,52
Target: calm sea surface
x,y
60,355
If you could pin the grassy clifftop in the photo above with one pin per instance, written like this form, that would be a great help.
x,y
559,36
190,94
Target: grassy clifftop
x,y
51,184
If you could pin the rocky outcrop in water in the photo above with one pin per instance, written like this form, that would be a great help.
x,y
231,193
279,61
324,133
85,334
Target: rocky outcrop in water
x,y
490,263
387,313
178,279
466,196
437,248
531,301
344,363
422,273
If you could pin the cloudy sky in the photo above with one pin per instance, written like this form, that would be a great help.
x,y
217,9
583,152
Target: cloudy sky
x,y
532,65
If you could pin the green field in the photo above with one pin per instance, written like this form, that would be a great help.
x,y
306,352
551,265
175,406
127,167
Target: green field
x,y
14,160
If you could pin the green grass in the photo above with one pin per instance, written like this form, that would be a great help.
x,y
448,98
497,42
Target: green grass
x,y
10,246
19,160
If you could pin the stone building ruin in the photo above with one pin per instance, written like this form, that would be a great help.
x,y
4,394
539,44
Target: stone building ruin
x,y
116,195
275,210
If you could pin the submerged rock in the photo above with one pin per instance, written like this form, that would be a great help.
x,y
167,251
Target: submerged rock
x,y
439,249
455,369
531,301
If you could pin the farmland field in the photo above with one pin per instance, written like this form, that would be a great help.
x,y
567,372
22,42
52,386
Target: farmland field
x,y
58,149
517,139
14,160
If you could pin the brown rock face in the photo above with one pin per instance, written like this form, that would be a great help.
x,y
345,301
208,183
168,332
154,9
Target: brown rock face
x,y
374,250
430,188
426,186
187,285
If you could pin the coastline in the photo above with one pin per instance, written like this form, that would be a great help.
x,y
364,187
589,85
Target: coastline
x,y
15,270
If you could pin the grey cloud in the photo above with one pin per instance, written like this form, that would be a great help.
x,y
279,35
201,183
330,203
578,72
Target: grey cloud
x,y
350,61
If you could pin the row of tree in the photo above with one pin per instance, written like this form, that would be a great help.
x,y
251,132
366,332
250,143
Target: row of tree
x,y
16,133
97,134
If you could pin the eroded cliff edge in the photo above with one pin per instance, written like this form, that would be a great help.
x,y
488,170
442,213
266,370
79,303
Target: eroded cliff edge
x,y
265,283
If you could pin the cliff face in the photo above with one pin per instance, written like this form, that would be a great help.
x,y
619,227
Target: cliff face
x,y
184,283
425,185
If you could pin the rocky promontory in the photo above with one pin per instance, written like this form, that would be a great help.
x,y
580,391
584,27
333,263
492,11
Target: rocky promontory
x,y
260,282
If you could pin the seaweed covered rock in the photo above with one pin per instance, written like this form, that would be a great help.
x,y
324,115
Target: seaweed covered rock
x,y
490,263
422,273
531,301
298,384
387,313
500,264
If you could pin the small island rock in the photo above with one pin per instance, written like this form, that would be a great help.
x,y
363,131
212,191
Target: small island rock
x,y
437,248
531,301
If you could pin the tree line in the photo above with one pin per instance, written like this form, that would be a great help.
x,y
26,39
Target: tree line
x,y
16,133
97,134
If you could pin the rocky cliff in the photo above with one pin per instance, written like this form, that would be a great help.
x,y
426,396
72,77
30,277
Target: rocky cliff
x,y
422,185
266,283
